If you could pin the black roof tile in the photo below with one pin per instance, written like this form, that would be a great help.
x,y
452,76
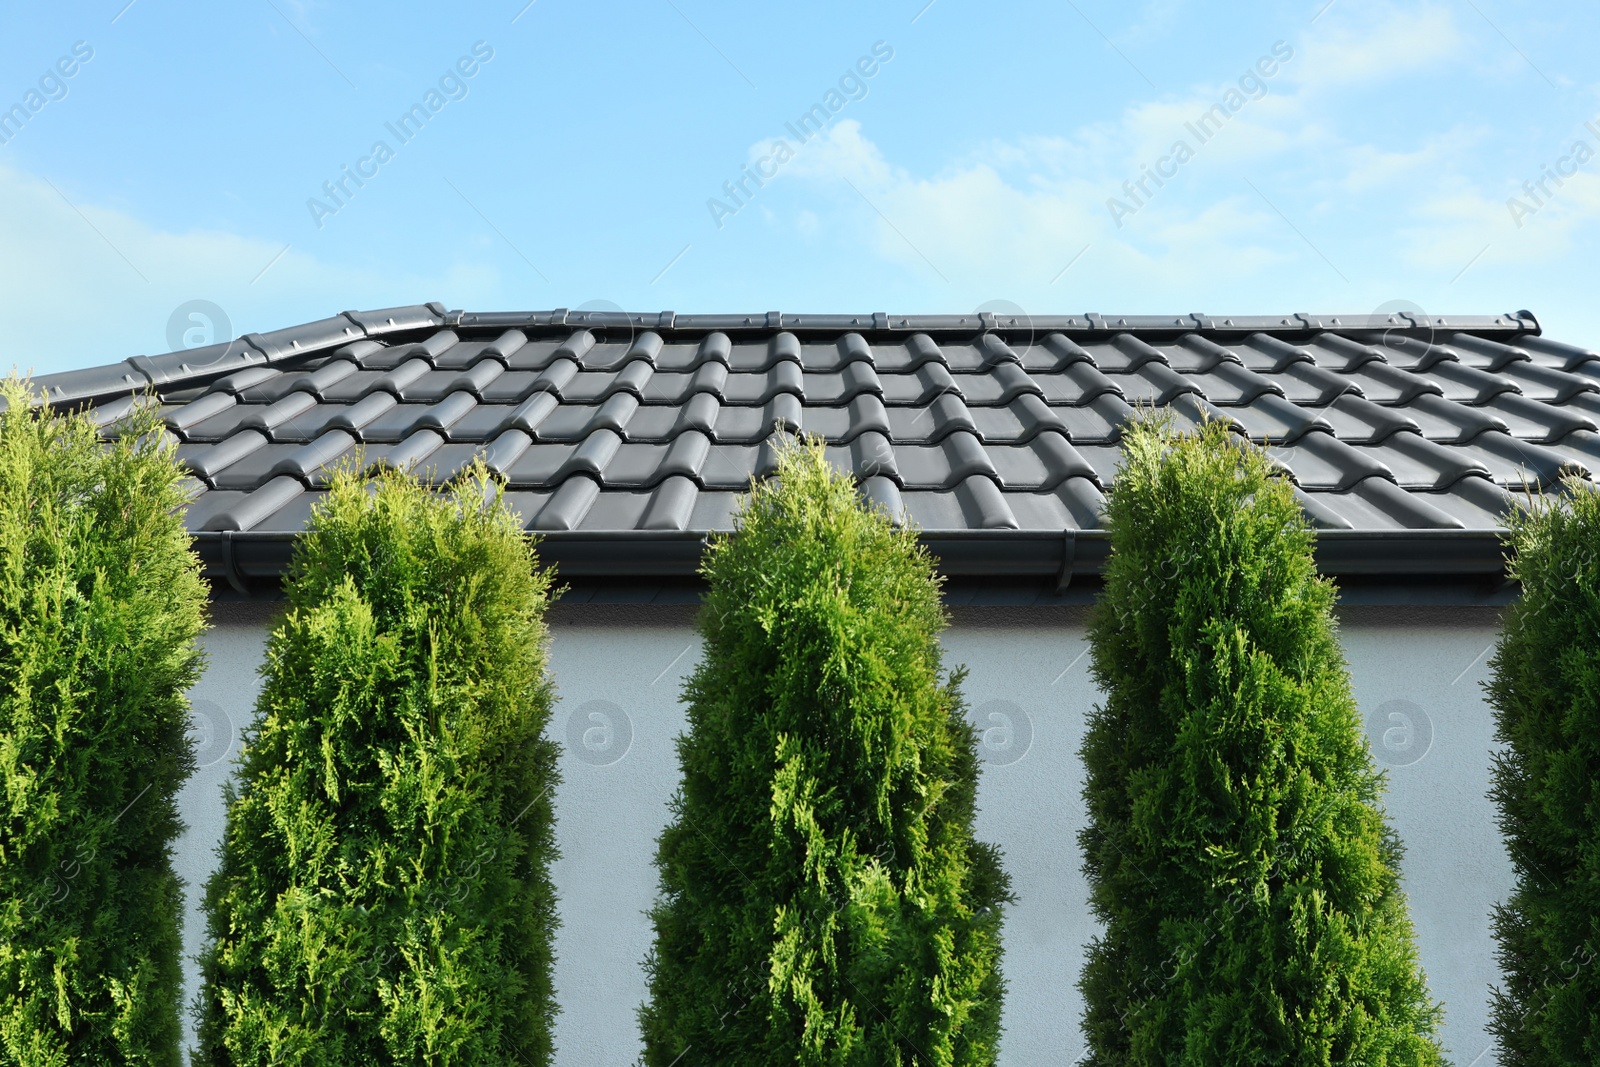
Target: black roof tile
x,y
1512,462
1322,461
1271,417
1420,464
649,426
1453,423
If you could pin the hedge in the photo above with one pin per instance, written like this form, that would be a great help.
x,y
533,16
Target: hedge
x,y
384,894
823,899
1236,849
100,604
1545,693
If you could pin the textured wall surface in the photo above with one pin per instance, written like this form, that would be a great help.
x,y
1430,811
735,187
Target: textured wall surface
x,y
221,706
619,670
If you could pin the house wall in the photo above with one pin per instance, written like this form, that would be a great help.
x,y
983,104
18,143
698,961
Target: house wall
x,y
619,671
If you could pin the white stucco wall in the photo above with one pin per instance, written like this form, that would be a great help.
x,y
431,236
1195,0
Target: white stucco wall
x,y
619,672
221,706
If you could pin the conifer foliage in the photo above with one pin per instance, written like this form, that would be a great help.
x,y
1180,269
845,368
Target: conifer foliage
x,y
1236,849
383,895
100,604
823,898
1545,692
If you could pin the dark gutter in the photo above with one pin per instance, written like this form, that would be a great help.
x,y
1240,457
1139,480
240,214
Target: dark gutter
x,y
1050,562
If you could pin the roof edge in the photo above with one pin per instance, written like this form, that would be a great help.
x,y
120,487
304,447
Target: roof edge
x,y
1051,560
197,366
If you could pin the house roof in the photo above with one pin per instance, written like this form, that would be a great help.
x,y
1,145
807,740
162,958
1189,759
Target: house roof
x,y
625,438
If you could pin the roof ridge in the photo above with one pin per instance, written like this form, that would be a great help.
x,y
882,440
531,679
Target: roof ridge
x,y
296,344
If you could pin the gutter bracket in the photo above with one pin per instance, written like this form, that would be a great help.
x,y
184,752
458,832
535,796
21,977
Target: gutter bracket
x,y
1069,553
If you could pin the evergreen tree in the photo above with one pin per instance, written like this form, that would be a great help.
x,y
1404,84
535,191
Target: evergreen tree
x,y
384,894
1236,849
100,604
823,899
1545,692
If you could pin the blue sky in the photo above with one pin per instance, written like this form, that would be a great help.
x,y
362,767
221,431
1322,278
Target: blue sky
x,y
970,162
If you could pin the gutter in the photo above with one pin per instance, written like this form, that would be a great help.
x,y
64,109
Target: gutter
x,y
1455,562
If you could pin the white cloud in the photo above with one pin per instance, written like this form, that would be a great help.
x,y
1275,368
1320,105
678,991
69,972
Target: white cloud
x,y
1012,214
82,284
1156,19
1368,167
1365,45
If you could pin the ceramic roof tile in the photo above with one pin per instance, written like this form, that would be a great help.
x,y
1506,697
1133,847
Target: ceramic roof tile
x,y
505,449
1484,354
1272,417
1098,422
207,461
871,456
1191,409
412,452
1512,462
1418,463
1478,503
943,465
568,505
1529,420
1322,461
1154,383
919,386
199,410
1232,384
650,423
1583,446
1079,383
1410,511
615,413
670,505
207,504
247,511
1548,384
1383,383
1044,463
759,387
745,424
1451,423
1017,422
530,415
883,493
985,506
479,423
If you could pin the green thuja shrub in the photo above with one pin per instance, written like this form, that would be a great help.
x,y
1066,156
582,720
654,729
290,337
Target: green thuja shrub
x,y
1236,849
100,604
823,899
384,894
1545,692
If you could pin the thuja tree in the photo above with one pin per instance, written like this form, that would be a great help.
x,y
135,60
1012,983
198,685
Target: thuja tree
x,y
1545,692
100,604
823,899
1236,849
383,895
